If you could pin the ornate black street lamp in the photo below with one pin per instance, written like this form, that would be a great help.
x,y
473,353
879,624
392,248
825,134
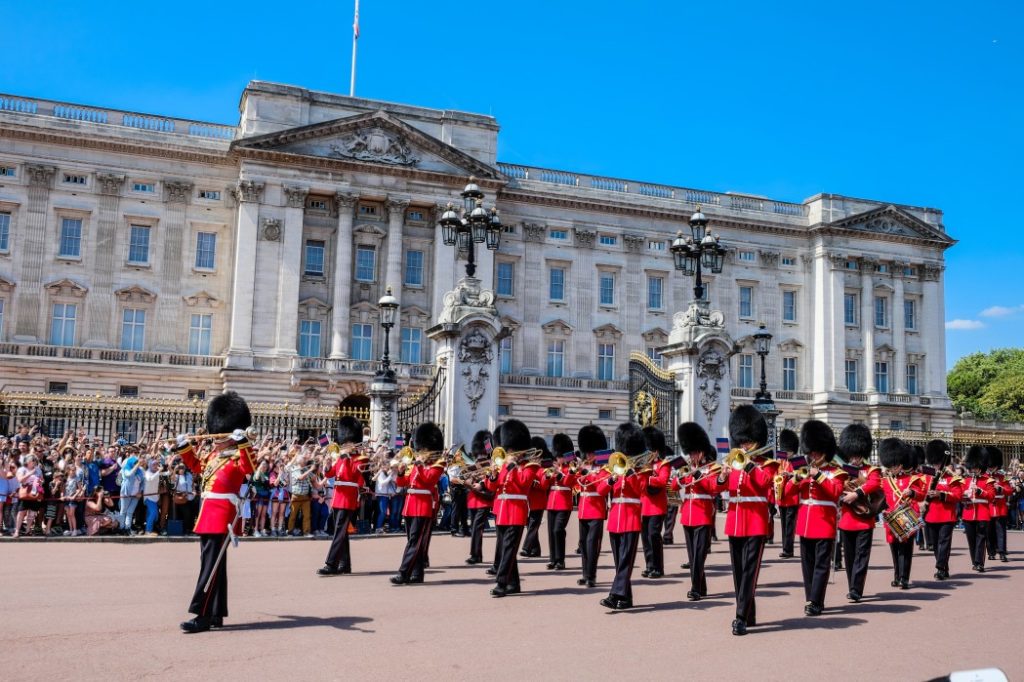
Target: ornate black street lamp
x,y
763,400
388,305
701,251
471,225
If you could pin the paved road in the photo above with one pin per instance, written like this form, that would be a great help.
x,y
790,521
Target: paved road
x,y
111,611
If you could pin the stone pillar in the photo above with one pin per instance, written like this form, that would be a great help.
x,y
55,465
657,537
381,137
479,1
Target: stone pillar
x,y
933,331
867,322
100,304
28,324
534,285
393,276
289,271
584,351
172,266
838,320
342,298
248,194
898,380
466,338
822,328
383,410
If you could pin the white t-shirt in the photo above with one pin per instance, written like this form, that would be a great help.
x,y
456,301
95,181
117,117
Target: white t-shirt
x,y
151,487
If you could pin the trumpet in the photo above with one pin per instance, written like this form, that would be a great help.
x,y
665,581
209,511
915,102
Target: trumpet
x,y
619,464
705,470
738,458
250,433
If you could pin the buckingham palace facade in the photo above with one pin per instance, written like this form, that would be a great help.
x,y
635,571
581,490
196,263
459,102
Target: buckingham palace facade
x,y
166,258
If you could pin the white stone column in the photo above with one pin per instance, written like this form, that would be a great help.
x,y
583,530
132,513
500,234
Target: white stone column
x,y
822,345
30,311
341,300
248,193
101,304
867,322
898,380
838,293
393,275
933,331
289,272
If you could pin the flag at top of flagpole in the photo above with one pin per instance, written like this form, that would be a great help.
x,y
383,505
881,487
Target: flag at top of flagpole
x,y
355,24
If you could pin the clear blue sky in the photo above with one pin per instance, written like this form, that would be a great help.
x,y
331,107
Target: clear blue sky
x,y
911,102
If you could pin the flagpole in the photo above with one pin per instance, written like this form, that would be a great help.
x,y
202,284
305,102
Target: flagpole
x,y
355,42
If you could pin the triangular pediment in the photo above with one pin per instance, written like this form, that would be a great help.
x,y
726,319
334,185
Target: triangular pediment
x,y
377,138
135,294
608,332
66,287
892,221
202,299
557,326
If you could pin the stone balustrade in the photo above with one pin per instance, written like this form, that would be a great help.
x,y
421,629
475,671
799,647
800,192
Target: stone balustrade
x,y
575,383
110,355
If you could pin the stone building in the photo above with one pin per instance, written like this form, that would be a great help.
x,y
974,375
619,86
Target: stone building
x,y
147,255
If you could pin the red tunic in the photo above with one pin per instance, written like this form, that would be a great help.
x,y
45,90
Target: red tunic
x,y
512,501
222,476
748,501
819,500
479,497
421,489
624,514
539,490
979,492
593,502
698,495
348,480
942,509
560,490
872,483
908,487
1002,490
653,499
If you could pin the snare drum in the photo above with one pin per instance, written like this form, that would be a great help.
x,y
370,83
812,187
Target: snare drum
x,y
903,522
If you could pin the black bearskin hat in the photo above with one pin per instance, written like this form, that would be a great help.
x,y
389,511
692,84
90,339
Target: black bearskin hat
x,y
479,445
817,436
789,442
561,444
936,452
919,455
428,437
350,430
654,441
976,458
747,425
855,441
591,439
889,452
514,436
993,457
540,444
693,438
629,439
227,412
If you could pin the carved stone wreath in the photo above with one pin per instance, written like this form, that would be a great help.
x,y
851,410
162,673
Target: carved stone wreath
x,y
476,353
710,371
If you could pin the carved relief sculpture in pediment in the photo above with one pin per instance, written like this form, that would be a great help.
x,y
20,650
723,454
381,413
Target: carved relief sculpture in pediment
x,y
66,288
376,145
135,294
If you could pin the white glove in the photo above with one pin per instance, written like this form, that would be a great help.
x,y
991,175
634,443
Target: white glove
x,y
182,440
238,435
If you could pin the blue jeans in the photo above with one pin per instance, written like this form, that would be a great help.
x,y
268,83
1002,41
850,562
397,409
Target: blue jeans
x,y
383,511
320,513
152,512
127,511
395,522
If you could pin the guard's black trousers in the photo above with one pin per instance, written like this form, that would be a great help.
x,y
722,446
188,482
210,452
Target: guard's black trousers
x,y
624,546
654,547
508,564
788,518
478,521
816,561
212,603
558,521
460,510
338,556
902,558
857,547
670,524
940,536
591,536
531,543
417,533
745,554
698,544
997,535
977,536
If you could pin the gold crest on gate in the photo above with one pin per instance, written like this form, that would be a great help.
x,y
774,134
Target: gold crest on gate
x,y
645,408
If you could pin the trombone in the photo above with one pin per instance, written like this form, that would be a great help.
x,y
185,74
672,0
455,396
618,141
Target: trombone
x,y
618,464
250,433
738,458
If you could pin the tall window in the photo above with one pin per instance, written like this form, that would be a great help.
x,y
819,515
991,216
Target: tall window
x,y
70,238
362,341
607,288
5,231
850,309
412,345
852,376
655,293
746,373
882,377
366,263
206,250
199,331
556,356
506,279
556,284
505,353
789,306
606,361
138,244
655,356
910,314
912,387
413,268
309,338
314,258
62,324
788,374
746,302
881,311
133,329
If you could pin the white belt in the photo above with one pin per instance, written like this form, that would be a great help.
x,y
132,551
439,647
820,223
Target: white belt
x,y
505,496
625,500
419,491
221,496
338,484
818,503
968,500
697,497
560,488
740,500
591,495
999,497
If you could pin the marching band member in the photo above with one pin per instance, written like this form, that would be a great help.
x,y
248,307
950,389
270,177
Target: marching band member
x,y
901,487
420,482
559,503
979,492
944,493
654,504
511,506
223,472
348,479
697,511
789,503
538,500
479,500
819,494
919,464
624,516
857,523
999,509
746,522
593,504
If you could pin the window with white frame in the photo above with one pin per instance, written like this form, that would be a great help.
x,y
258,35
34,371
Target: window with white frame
x,y
556,284
881,311
413,268
210,194
606,361
912,387
910,314
414,215
5,231
788,374
655,293
144,186
70,238
560,235
62,324
315,204
655,245
606,286
75,179
206,250
852,376
556,357
309,338
412,345
608,240
133,329
362,341
366,263
746,302
747,256
314,258
789,306
745,375
200,330
366,209
882,377
788,260
850,308
505,353
654,356
506,279
138,245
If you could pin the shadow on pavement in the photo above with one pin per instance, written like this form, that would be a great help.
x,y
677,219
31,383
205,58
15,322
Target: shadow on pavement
x,y
865,607
289,622
791,583
675,606
905,595
818,623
